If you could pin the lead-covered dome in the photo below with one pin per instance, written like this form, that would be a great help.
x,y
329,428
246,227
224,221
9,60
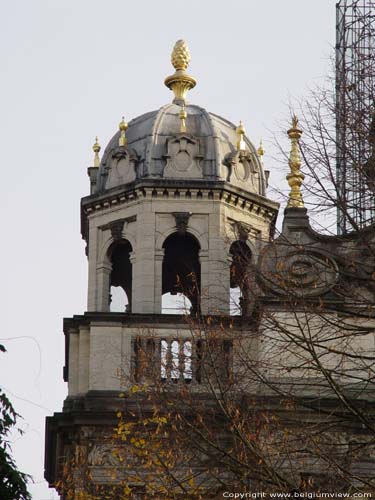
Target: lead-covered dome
x,y
157,148
181,141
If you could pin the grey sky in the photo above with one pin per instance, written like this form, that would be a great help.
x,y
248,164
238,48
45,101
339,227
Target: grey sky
x,y
70,70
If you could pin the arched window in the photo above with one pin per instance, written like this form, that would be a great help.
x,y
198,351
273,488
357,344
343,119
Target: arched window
x,y
121,277
181,272
239,277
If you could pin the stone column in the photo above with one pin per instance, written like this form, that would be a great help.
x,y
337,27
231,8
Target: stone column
x,y
219,267
144,266
159,256
132,258
92,272
103,272
204,293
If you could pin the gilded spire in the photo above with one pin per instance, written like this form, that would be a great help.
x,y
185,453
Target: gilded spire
x,y
240,131
260,150
96,149
183,115
122,127
180,83
295,177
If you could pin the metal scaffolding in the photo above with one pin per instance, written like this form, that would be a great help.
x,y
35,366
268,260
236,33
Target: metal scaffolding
x,y
355,116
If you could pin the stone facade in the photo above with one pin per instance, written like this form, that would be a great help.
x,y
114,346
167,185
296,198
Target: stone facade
x,y
164,200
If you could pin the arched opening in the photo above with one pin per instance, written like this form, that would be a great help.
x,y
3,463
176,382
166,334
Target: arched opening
x,y
175,304
119,301
121,277
181,273
241,258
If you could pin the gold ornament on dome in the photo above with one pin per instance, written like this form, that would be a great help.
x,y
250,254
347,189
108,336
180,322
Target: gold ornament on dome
x,y
180,82
180,57
96,148
183,116
260,150
295,177
240,131
122,127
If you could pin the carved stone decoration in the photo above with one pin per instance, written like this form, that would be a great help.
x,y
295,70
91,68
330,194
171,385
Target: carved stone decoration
x,y
183,158
116,229
182,220
88,432
103,454
121,167
299,273
242,170
242,231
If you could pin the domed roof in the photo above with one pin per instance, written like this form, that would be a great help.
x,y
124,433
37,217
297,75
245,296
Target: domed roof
x,y
156,148
181,141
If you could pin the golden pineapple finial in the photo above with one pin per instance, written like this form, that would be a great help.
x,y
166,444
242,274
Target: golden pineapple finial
x,y
183,115
240,131
180,56
295,177
180,83
96,148
122,127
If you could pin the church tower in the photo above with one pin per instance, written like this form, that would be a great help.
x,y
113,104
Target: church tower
x,y
177,208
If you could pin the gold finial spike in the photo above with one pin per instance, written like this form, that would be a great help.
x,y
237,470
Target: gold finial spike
x,y
122,127
295,177
183,115
260,150
96,149
180,83
240,130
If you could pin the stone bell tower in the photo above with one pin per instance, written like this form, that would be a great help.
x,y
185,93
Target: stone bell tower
x,y
177,203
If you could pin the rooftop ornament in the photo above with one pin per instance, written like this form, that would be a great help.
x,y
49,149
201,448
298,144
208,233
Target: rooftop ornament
x,y
180,83
96,148
295,177
260,150
183,116
122,127
240,130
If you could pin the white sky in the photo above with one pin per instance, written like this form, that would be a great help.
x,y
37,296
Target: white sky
x,y
70,70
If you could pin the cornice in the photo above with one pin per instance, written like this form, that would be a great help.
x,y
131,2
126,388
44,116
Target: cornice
x,y
163,189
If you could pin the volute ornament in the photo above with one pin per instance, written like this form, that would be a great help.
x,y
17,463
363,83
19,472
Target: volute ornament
x,y
298,272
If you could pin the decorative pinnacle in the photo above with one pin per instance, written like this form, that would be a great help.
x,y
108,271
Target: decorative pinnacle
x,y
96,148
295,177
180,56
240,130
122,127
183,115
180,83
260,150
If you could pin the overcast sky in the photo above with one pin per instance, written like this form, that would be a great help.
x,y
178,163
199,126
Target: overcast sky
x,y
70,70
